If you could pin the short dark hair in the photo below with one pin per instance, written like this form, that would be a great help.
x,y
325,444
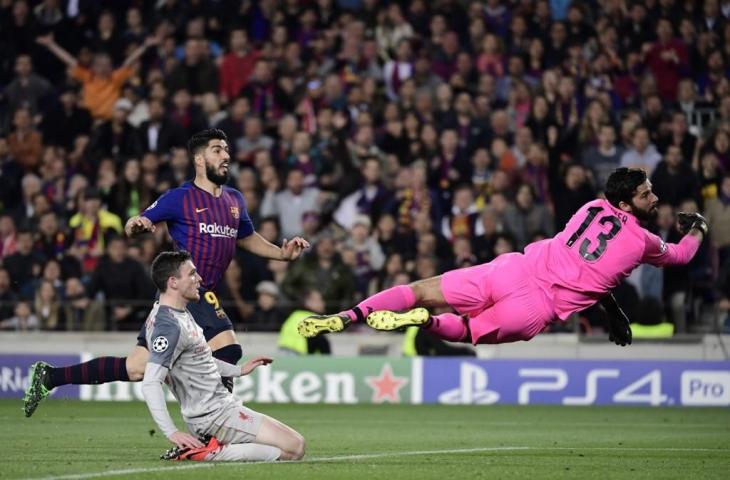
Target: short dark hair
x,y
622,184
166,265
200,140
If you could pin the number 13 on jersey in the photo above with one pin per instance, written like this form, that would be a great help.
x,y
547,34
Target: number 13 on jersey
x,y
602,238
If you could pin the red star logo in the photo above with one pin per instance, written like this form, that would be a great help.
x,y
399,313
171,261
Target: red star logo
x,y
386,387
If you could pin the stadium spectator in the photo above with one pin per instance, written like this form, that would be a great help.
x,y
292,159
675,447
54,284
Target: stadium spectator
x,y
290,204
28,89
90,225
24,265
25,142
642,153
323,270
268,315
129,195
158,133
569,192
718,210
116,137
10,172
102,83
368,256
525,218
8,236
680,136
8,298
674,180
47,306
195,73
237,66
63,123
24,319
81,312
667,59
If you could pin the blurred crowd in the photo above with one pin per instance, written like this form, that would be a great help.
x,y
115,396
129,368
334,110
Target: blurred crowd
x,y
402,138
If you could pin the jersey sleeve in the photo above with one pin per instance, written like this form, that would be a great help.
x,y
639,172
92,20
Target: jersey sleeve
x,y
245,225
165,208
164,340
659,253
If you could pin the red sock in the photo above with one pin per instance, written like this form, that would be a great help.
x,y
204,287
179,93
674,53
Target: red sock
x,y
448,326
395,298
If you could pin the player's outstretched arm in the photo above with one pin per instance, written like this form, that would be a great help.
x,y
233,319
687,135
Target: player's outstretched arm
x,y
289,250
254,363
660,254
229,370
619,326
138,225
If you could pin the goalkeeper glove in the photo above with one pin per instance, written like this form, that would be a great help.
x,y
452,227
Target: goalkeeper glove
x,y
619,327
688,221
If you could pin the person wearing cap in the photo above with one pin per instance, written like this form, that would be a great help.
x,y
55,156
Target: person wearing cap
x,y
369,256
89,226
117,137
267,316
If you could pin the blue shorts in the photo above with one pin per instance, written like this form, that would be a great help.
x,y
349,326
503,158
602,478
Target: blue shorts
x,y
207,313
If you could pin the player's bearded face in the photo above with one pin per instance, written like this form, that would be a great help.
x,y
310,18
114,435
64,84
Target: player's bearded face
x,y
217,171
644,204
646,213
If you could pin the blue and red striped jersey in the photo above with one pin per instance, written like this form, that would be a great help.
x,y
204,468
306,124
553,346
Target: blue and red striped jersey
x,y
204,225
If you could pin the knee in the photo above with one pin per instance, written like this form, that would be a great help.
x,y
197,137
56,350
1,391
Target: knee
x,y
135,369
299,447
419,291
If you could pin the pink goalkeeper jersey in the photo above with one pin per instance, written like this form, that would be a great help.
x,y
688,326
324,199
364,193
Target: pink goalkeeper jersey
x,y
599,246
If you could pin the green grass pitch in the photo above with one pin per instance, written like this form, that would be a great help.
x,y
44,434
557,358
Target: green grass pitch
x,y
77,440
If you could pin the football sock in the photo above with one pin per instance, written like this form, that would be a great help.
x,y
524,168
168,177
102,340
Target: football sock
x,y
449,326
396,298
96,370
245,452
229,354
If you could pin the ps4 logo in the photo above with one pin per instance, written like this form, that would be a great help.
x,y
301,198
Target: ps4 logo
x,y
526,385
472,389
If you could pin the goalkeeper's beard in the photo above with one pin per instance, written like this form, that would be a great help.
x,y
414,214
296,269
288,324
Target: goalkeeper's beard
x,y
644,215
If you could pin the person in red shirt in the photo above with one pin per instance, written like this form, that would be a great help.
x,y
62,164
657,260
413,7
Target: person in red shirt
x,y
667,59
237,65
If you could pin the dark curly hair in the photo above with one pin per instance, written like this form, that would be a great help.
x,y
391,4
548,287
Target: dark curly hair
x,y
200,139
622,184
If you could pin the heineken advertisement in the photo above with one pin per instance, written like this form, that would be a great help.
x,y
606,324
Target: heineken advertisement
x,y
306,380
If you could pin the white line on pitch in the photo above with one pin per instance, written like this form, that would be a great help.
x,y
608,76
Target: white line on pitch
x,y
365,456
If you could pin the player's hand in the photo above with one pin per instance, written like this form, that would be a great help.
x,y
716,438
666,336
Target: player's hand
x,y
688,221
254,363
292,249
185,440
137,225
619,326
619,331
